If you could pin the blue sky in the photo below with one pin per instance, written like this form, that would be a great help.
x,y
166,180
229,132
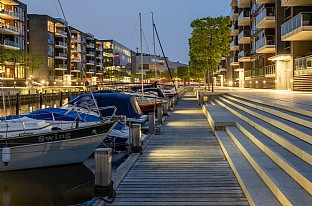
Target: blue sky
x,y
119,20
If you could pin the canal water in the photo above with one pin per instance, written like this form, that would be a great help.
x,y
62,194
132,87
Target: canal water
x,y
62,185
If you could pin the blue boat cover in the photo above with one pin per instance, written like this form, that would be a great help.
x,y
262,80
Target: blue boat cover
x,y
126,104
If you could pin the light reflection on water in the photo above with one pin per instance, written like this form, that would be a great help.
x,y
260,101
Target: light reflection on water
x,y
64,185
29,107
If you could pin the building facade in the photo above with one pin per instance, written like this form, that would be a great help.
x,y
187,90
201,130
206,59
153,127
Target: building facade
x,y
271,44
13,37
48,38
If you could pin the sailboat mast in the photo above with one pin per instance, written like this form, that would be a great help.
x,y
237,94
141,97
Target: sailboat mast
x,y
154,44
141,48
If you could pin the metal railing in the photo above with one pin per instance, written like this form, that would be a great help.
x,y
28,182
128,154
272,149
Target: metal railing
x,y
301,19
268,40
269,11
245,33
9,27
243,14
61,32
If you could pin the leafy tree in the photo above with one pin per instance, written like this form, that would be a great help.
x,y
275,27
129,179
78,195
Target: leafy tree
x,y
209,42
183,73
167,75
34,62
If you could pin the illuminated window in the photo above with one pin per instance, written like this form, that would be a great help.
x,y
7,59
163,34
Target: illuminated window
x,y
50,62
51,26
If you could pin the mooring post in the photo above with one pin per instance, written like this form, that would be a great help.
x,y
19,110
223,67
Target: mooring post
x,y
136,138
103,186
151,123
17,104
40,100
159,114
165,107
61,98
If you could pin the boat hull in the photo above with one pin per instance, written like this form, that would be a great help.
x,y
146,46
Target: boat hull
x,y
51,150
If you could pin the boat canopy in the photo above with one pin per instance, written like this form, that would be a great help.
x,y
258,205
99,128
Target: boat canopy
x,y
126,104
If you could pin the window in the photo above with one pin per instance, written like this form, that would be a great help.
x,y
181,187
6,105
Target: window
x,y
51,26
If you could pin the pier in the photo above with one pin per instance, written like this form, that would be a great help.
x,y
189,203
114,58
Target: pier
x,y
231,147
184,165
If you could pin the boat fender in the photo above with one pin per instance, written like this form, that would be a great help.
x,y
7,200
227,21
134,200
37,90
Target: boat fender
x,y
6,155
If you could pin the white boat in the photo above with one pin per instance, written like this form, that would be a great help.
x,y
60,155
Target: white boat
x,y
27,143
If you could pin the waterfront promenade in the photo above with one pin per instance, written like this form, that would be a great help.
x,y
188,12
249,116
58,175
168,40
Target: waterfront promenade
x,y
182,166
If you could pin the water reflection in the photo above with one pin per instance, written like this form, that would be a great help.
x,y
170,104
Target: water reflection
x,y
64,185
29,107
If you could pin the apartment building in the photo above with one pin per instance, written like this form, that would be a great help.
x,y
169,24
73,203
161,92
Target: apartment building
x,y
296,35
116,56
271,45
13,21
48,37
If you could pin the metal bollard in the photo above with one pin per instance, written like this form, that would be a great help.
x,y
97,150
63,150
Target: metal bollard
x,y
165,108
159,114
103,186
136,138
151,123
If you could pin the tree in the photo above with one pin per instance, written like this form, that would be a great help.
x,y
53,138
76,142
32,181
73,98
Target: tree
x,y
209,42
183,73
166,74
34,62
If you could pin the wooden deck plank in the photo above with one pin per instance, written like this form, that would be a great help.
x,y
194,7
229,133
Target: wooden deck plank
x,y
182,166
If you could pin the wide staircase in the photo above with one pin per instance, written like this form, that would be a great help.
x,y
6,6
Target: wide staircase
x,y
268,147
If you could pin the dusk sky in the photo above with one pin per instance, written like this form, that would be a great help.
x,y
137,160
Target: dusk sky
x,y
119,20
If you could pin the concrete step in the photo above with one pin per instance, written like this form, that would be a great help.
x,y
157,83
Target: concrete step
x,y
300,148
301,132
284,188
285,114
217,117
273,104
256,191
295,167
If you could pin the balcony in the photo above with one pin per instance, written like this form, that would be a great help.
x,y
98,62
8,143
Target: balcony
x,y
243,3
234,30
234,61
74,39
266,45
61,67
265,1
234,13
8,29
61,56
269,71
244,37
90,62
75,59
60,33
90,53
8,14
244,56
60,44
100,56
296,2
266,18
99,48
90,45
299,28
244,18
10,44
234,45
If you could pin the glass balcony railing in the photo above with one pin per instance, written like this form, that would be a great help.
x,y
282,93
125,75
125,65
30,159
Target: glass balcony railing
x,y
234,43
10,43
234,26
61,66
91,53
243,54
234,59
268,40
301,19
61,55
60,43
243,14
9,27
91,44
266,12
234,11
9,12
61,32
245,33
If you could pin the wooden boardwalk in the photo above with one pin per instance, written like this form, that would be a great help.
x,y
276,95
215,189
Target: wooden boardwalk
x,y
182,166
